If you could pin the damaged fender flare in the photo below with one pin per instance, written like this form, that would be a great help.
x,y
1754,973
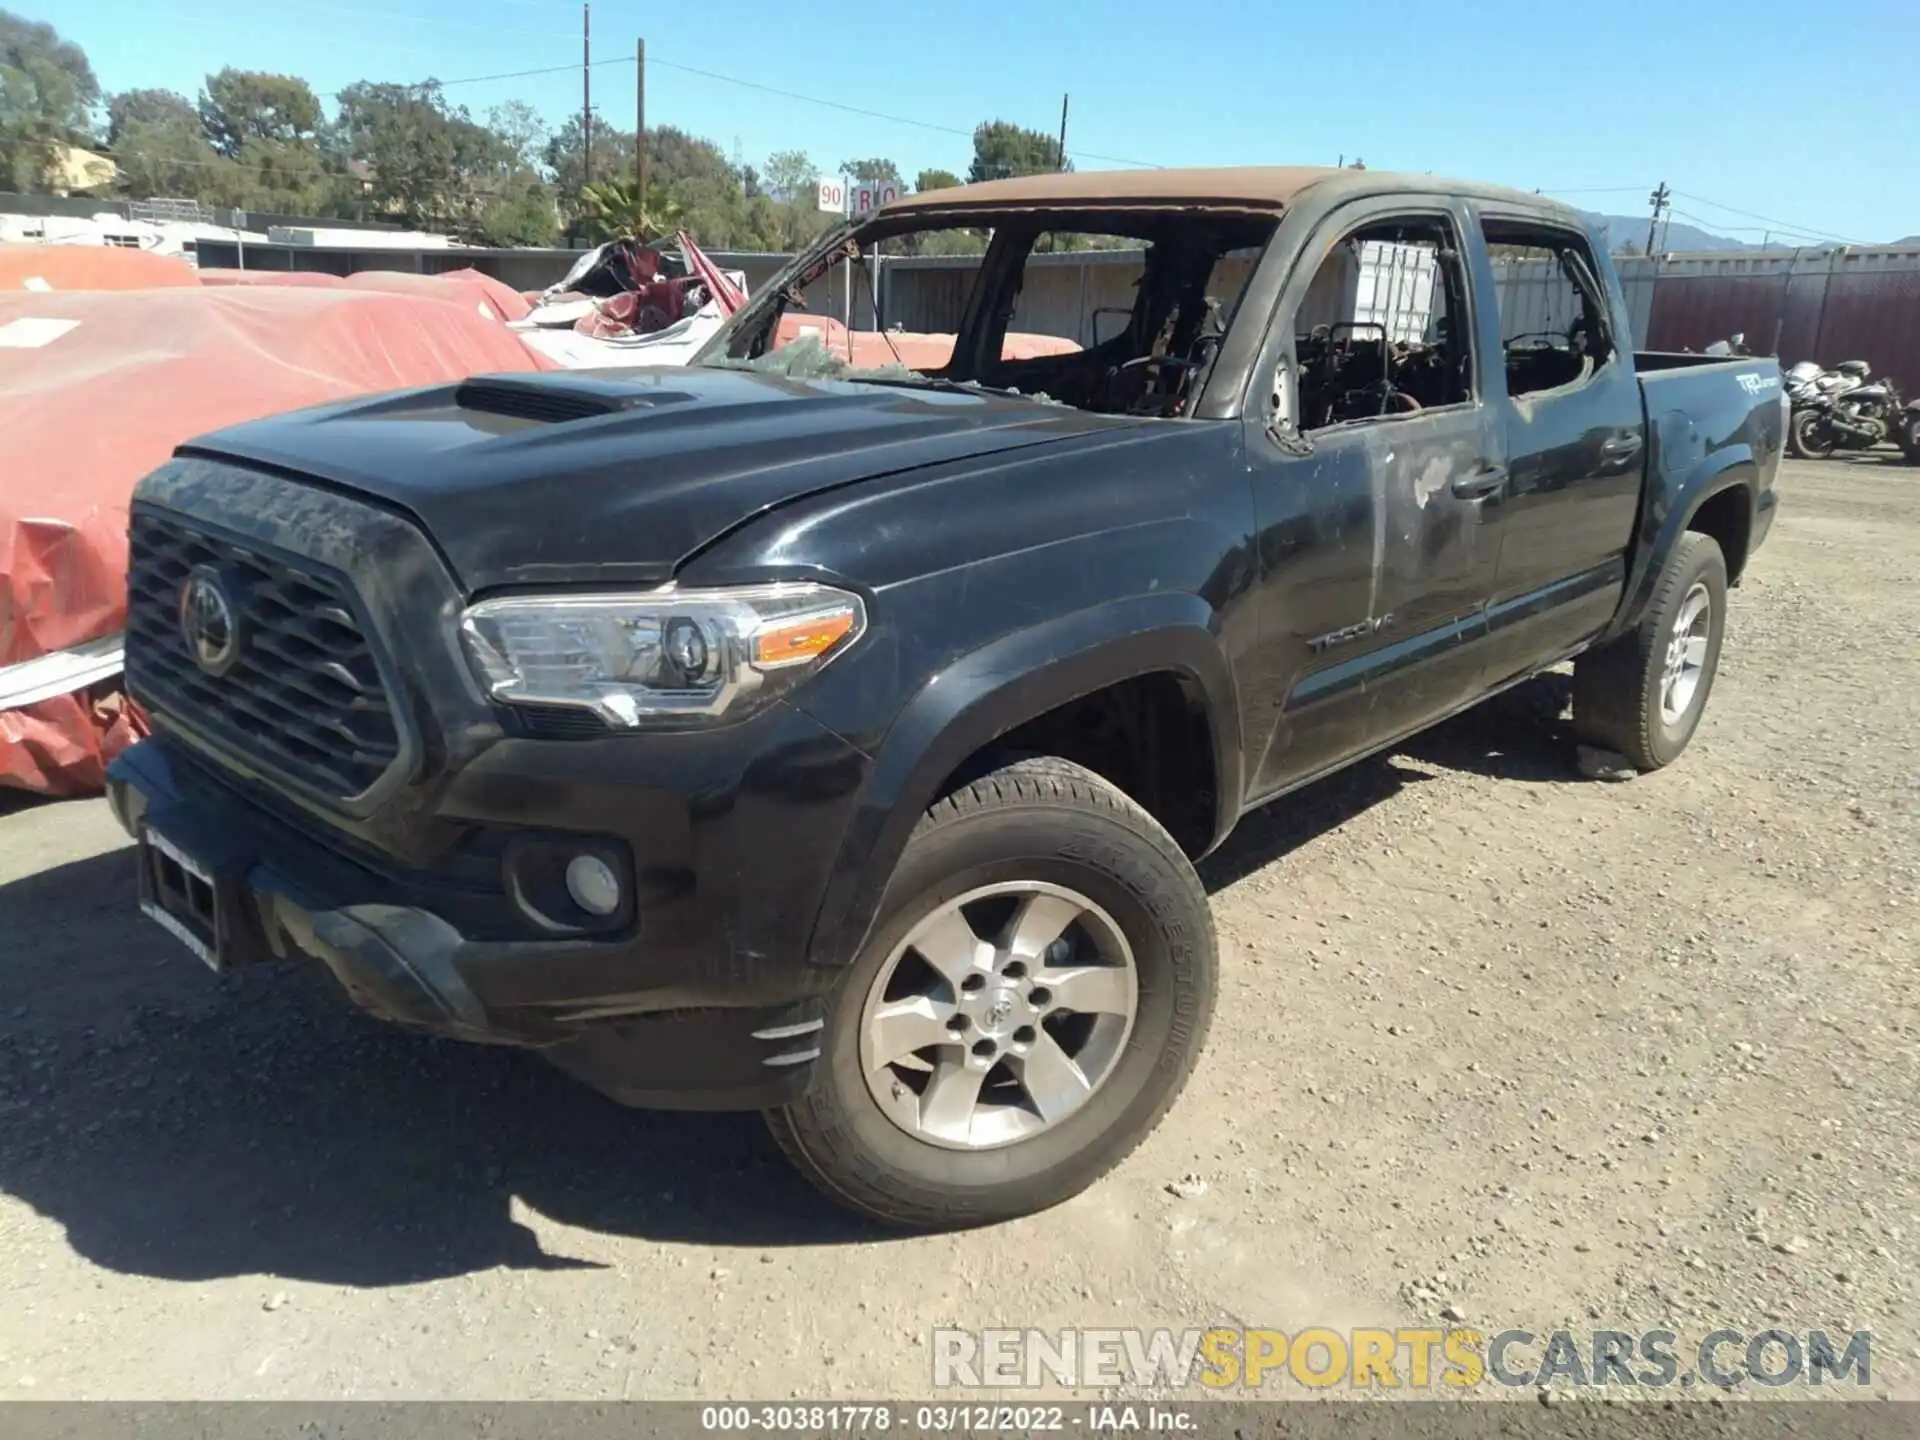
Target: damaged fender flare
x,y
998,687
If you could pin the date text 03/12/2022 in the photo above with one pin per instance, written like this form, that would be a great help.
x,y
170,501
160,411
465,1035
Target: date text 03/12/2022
x,y
942,1418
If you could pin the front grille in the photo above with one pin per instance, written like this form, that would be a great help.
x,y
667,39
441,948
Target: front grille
x,y
304,695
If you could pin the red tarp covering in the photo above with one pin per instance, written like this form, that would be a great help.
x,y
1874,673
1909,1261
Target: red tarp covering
x,y
89,267
61,747
89,408
463,287
467,287
319,279
868,349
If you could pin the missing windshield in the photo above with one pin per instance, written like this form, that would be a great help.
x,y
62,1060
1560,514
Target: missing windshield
x,y
1115,313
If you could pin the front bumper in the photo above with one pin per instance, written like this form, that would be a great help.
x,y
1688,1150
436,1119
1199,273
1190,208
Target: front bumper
x,y
703,1001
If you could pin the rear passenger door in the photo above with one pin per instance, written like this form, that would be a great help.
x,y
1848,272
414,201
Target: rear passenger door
x,y
1575,439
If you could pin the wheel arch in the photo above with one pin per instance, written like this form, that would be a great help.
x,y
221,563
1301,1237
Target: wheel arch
x,y
960,714
1717,497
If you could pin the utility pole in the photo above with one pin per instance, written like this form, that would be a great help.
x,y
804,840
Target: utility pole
x,y
640,116
1661,199
1062,163
586,93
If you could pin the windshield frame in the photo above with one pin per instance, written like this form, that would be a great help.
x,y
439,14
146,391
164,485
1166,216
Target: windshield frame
x,y
1009,234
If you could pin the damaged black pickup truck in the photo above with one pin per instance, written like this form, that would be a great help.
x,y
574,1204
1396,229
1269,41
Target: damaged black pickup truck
x,y
839,743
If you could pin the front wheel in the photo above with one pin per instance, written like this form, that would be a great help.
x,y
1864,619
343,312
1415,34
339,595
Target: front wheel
x,y
1906,431
1811,437
1028,1006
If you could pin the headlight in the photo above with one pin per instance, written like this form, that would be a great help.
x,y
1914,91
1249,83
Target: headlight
x,y
662,655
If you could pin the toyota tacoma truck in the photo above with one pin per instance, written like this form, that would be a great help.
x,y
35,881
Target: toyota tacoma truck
x,y
838,743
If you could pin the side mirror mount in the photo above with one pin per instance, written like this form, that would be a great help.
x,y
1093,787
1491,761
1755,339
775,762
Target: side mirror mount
x,y
1281,425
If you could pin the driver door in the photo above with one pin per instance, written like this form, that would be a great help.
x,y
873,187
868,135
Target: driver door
x,y
1379,514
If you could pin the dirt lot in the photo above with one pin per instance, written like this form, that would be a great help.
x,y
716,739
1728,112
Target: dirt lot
x,y
1537,1050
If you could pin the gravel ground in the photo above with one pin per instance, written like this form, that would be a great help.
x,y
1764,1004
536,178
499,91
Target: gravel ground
x,y
1495,1041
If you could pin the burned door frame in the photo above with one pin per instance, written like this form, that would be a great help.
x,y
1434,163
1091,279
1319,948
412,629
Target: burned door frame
x,y
1576,456
1378,539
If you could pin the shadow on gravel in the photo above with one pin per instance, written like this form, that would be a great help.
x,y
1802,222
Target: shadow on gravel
x,y
1521,734
188,1127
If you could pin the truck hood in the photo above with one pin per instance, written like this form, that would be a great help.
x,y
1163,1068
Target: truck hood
x,y
528,479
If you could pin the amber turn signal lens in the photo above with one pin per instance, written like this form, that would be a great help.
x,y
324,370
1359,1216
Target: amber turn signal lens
x,y
806,638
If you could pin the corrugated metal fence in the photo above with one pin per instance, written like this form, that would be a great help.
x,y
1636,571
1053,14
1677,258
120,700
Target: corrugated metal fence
x,y
1851,303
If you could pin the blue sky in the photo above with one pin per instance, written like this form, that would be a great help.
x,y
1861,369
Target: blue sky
x,y
1724,102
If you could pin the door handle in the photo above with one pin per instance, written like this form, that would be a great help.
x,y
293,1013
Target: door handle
x,y
1620,447
1481,483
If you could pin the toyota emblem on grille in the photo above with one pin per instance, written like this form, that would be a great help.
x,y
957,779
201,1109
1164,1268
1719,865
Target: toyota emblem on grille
x,y
208,622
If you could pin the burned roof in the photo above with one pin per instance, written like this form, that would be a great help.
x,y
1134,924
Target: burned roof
x,y
1243,190
1246,187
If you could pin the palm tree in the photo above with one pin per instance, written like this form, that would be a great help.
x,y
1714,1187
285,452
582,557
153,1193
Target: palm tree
x,y
614,209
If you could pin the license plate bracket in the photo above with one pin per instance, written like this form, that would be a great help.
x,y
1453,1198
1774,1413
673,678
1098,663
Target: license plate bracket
x,y
183,895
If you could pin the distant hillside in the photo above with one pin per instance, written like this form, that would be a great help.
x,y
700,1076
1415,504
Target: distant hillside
x,y
1680,237
1675,235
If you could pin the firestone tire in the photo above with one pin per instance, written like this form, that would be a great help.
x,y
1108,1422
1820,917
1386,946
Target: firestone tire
x,y
1627,694
1036,829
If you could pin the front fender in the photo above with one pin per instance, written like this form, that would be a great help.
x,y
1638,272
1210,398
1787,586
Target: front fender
x,y
1691,475
990,691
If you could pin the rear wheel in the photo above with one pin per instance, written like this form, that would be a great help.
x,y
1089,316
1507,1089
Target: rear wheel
x,y
1643,694
1028,1006
1810,436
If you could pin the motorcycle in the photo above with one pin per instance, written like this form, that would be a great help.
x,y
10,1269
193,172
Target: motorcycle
x,y
1906,432
1839,409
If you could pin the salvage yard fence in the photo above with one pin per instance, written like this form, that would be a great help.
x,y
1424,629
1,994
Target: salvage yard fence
x,y
1829,305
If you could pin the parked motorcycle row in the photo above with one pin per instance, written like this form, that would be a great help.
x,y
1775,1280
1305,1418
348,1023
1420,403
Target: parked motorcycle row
x,y
1840,409
1846,409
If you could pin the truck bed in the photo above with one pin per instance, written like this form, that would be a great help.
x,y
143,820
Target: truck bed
x,y
1646,361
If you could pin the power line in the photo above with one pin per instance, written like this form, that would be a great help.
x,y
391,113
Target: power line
x,y
1750,229
871,114
480,79
1777,224
1592,189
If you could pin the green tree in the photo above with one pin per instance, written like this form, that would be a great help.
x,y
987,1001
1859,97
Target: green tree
x,y
935,180
522,130
170,156
242,105
148,107
292,178
1001,149
47,95
876,171
614,209
432,163
791,175
566,158
520,213
269,127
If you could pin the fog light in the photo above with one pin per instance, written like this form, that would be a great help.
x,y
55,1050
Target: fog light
x,y
593,885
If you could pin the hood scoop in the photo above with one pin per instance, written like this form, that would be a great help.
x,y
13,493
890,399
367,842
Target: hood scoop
x,y
547,402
